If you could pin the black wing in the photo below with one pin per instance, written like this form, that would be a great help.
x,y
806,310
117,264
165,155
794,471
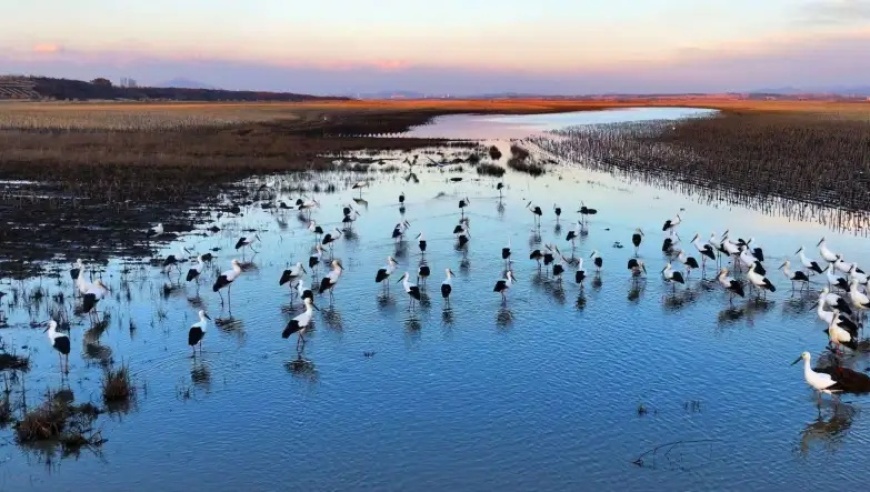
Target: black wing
x,y
708,252
194,335
758,253
291,328
220,283
446,289
88,302
414,292
61,344
801,277
324,285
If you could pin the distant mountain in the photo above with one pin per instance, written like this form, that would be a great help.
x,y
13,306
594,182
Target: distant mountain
x,y
182,83
834,90
392,95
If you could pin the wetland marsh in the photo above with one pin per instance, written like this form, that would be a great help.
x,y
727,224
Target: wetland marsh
x,y
557,387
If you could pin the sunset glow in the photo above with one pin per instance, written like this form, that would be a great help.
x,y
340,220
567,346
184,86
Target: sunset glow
x,y
547,46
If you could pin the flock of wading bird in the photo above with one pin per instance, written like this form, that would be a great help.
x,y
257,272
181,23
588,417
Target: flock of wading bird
x,y
842,303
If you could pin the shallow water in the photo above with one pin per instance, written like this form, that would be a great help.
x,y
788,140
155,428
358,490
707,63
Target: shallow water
x,y
521,126
542,393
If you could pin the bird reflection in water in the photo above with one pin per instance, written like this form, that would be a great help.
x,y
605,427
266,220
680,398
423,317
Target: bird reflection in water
x,y
581,301
425,301
558,293
332,319
362,203
447,318
730,315
302,368
636,289
386,301
500,208
401,250
830,432
93,350
464,264
797,307
200,374
538,280
679,300
504,318
596,282
413,324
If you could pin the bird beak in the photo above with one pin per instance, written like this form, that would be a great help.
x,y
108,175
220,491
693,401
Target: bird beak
x,y
593,254
315,307
644,268
797,360
397,281
798,251
781,266
206,316
820,242
45,330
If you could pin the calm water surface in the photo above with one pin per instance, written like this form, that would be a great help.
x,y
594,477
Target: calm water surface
x,y
521,126
540,394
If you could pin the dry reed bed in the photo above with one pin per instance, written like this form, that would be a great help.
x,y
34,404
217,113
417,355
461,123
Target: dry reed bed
x,y
813,158
93,192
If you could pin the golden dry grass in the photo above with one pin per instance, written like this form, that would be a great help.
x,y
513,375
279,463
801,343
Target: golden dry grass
x,y
171,116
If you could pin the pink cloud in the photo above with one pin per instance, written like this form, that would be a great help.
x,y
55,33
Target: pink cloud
x,y
390,64
47,48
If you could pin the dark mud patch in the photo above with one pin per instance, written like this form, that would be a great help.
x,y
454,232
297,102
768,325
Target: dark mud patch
x,y
13,362
94,194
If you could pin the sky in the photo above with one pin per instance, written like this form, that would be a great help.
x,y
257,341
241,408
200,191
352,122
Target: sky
x,y
447,47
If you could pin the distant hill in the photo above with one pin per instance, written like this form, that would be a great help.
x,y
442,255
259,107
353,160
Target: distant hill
x,y
394,95
102,89
844,91
182,83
